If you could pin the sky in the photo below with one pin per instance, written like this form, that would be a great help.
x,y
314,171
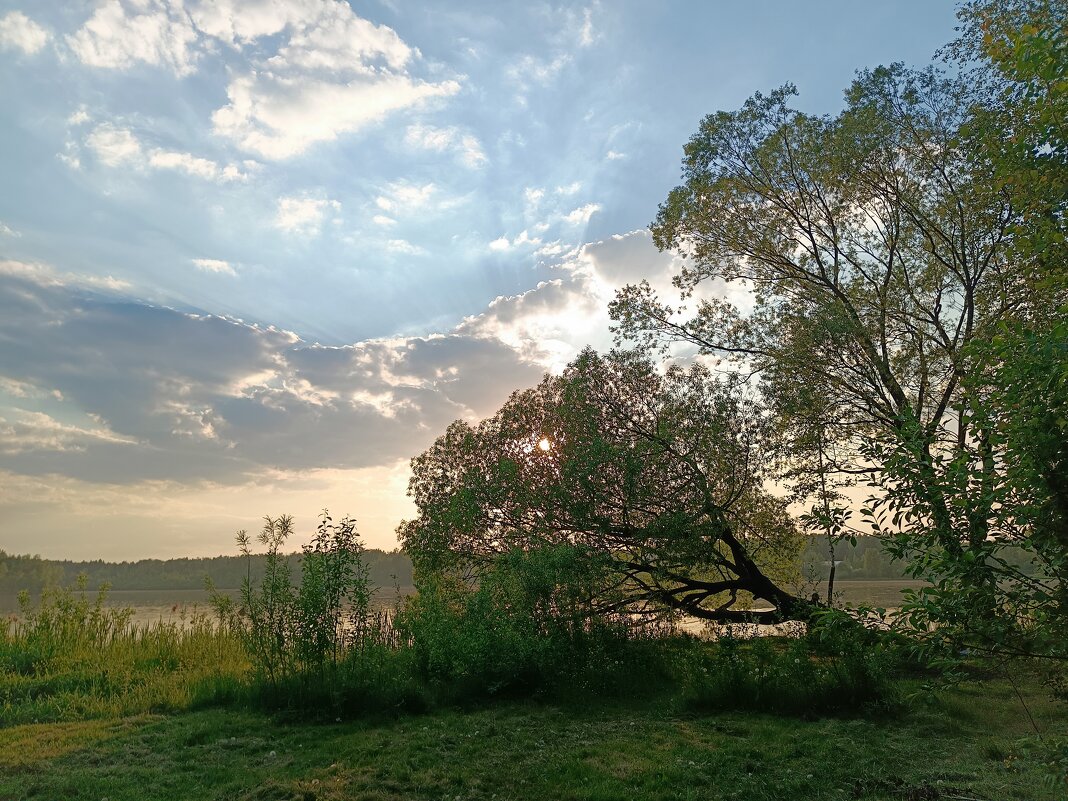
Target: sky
x,y
255,255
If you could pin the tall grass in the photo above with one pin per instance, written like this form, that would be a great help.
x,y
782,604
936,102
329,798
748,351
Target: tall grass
x,y
318,647
71,656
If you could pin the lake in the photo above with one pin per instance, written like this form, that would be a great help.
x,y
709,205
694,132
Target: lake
x,y
178,606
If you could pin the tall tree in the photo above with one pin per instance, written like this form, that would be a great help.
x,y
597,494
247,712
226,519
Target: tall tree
x,y
659,477
906,265
874,247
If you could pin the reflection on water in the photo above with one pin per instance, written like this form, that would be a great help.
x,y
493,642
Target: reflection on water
x,y
182,606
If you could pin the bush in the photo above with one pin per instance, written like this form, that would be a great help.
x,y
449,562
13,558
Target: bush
x,y
317,644
839,666
528,626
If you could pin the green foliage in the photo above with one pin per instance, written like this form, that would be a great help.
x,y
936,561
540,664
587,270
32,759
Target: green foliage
x,y
72,656
318,643
661,476
528,626
838,667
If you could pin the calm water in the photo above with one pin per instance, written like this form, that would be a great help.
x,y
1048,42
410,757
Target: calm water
x,y
178,606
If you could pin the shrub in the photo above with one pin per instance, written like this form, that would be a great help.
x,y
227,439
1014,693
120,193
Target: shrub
x,y
316,644
838,666
527,626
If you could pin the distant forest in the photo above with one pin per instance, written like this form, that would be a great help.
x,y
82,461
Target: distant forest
x,y
33,573
866,560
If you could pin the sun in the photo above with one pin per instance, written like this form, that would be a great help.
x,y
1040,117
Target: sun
x,y
544,445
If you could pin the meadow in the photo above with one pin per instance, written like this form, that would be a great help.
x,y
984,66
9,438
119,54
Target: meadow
x,y
93,706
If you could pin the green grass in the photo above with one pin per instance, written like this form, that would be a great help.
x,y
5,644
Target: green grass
x,y
967,743
92,708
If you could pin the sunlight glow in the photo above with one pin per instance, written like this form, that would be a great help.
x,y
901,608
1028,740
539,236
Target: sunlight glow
x,y
544,445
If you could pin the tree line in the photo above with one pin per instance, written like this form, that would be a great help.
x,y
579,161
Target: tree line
x,y
17,573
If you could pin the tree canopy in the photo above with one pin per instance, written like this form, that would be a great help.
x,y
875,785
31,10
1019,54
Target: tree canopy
x,y
659,477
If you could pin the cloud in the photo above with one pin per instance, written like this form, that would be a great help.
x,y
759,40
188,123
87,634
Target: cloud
x,y
465,145
45,275
537,69
549,324
340,42
239,22
582,214
280,116
334,73
119,35
115,146
214,266
403,196
404,247
7,230
524,238
303,214
79,116
230,400
585,34
19,32
313,70
36,431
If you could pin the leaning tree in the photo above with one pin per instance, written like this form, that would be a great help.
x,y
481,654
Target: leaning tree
x,y
658,476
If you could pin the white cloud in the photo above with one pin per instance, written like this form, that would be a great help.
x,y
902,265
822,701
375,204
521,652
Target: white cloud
x,y
280,116
303,215
538,70
120,35
45,275
115,146
402,196
37,431
333,73
79,116
237,22
585,35
466,146
404,247
338,41
214,266
615,155
19,32
7,230
569,189
582,214
524,238
325,73
382,219
184,162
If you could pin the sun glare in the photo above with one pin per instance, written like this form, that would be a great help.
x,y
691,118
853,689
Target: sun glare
x,y
544,445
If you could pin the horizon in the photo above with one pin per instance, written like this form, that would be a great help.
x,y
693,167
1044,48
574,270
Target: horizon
x,y
254,259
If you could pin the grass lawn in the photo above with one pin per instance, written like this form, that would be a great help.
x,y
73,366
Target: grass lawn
x,y
965,744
